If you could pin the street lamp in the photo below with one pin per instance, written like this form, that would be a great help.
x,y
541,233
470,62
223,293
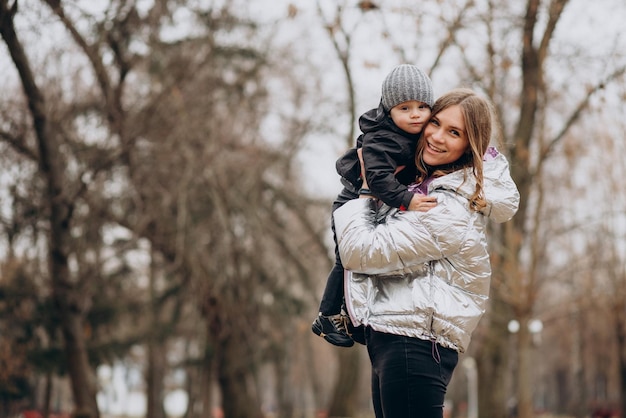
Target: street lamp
x,y
535,326
513,326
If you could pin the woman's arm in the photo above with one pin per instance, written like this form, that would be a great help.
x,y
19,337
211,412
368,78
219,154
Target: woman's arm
x,y
400,240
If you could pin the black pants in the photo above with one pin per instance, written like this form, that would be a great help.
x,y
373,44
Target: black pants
x,y
410,376
333,292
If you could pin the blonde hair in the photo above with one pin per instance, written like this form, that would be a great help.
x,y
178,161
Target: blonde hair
x,y
478,114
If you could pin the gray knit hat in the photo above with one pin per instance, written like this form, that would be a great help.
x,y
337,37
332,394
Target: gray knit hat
x,y
406,82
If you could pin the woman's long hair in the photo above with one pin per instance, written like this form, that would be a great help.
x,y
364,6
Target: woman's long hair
x,y
478,114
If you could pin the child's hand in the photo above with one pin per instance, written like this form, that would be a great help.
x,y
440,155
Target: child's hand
x,y
422,203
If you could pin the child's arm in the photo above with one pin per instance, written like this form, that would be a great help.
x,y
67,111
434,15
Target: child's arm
x,y
421,203
383,152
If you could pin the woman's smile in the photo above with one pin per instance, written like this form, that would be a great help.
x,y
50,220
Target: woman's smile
x,y
431,147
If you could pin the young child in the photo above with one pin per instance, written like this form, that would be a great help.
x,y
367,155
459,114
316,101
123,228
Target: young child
x,y
387,143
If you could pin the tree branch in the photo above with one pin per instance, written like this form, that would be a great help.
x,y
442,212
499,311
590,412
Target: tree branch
x,y
584,103
19,145
555,13
113,110
452,29
33,95
333,29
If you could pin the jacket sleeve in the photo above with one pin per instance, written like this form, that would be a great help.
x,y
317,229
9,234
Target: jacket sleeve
x,y
380,156
501,192
401,240
349,167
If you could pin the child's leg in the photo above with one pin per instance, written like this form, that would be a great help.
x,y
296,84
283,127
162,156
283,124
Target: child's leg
x,y
330,324
333,292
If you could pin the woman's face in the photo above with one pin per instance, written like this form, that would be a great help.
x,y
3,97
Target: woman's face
x,y
446,137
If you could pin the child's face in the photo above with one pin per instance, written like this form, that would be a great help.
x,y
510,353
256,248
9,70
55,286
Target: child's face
x,y
410,116
446,137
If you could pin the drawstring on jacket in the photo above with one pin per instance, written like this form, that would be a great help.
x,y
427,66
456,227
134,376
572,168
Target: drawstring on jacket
x,y
435,350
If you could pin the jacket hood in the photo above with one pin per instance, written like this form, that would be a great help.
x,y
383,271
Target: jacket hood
x,y
501,192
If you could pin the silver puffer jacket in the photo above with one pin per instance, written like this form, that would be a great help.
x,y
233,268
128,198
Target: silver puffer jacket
x,y
424,274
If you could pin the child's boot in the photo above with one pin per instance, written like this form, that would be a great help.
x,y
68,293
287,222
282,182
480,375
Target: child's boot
x,y
333,329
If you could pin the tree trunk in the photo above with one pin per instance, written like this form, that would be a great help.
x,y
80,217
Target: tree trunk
x,y
47,394
207,383
492,360
344,400
285,388
154,379
81,377
233,374
156,361
524,371
620,332
66,297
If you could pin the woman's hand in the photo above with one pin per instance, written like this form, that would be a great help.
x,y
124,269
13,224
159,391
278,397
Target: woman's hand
x,y
422,203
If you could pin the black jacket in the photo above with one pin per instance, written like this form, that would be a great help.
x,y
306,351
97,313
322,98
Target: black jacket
x,y
385,147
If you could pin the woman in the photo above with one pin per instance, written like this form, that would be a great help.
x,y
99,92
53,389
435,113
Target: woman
x,y
419,281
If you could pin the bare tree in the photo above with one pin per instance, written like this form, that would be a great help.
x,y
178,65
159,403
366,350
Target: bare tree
x,y
59,202
531,149
151,143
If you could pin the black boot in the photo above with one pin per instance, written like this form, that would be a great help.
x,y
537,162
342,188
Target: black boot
x,y
333,329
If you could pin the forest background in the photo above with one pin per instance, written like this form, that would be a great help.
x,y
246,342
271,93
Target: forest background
x,y
166,175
